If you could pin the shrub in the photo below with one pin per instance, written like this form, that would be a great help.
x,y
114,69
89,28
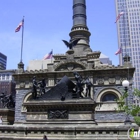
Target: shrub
x,y
137,120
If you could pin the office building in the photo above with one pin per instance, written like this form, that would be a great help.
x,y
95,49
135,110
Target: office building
x,y
105,59
39,64
3,61
128,27
7,83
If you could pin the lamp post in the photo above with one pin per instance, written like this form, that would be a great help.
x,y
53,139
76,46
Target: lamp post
x,y
125,84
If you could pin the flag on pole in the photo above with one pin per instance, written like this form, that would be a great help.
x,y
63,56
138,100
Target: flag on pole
x,y
118,17
19,26
48,56
119,51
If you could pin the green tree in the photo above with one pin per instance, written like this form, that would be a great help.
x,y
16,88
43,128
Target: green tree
x,y
132,109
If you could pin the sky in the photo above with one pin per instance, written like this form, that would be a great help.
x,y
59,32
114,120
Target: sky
x,y
47,22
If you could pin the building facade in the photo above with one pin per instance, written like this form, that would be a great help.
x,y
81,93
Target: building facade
x,y
3,61
7,83
128,27
42,64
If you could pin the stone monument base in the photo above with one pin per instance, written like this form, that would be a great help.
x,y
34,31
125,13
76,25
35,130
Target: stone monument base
x,y
87,132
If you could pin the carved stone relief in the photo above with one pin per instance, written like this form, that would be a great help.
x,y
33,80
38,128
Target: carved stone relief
x,y
100,81
70,65
123,78
58,114
111,80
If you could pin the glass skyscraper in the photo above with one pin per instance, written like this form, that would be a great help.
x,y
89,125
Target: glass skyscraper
x,y
3,61
128,27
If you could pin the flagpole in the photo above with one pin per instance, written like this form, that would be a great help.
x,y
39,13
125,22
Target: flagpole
x,y
22,39
124,25
125,55
124,29
52,54
42,65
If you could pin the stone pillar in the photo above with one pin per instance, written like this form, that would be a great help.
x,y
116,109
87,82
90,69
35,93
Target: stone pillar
x,y
79,12
79,29
50,82
50,67
127,62
20,67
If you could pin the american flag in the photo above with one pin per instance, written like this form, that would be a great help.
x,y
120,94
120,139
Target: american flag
x,y
118,17
119,51
48,56
19,26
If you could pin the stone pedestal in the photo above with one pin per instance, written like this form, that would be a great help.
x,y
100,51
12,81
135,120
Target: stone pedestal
x,y
7,116
64,113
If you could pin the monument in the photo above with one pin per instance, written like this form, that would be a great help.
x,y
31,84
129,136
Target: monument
x,y
78,98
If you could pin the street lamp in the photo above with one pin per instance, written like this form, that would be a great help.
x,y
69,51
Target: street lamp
x,y
125,84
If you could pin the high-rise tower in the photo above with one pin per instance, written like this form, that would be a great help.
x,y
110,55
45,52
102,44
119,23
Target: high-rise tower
x,y
3,61
128,28
80,29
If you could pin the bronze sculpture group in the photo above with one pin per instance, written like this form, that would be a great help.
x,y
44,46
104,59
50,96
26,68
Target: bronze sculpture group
x,y
7,101
38,88
88,84
80,83
38,85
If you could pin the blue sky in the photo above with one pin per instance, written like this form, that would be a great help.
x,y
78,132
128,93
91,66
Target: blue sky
x,y
47,22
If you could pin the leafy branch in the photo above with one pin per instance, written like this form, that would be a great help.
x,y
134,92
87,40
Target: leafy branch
x,y
134,110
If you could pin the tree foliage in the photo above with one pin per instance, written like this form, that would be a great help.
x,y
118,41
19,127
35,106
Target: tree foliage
x,y
132,109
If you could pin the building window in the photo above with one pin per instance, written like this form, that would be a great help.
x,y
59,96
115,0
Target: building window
x,y
3,77
109,97
7,76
